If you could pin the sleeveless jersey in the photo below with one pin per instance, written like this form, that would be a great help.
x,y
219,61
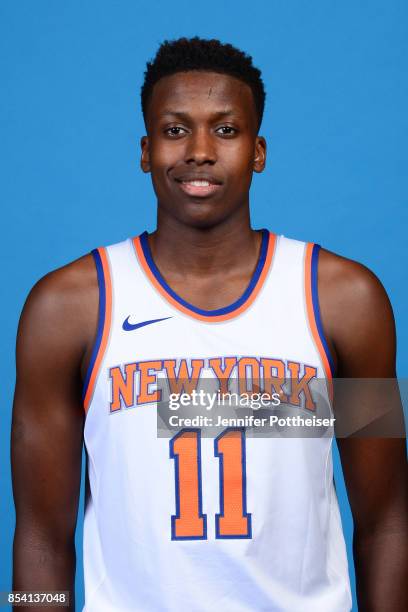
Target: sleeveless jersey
x,y
237,522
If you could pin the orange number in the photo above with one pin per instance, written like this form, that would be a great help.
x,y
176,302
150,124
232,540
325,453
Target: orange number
x,y
233,521
189,522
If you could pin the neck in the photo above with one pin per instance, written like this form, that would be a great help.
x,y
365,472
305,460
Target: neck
x,y
229,246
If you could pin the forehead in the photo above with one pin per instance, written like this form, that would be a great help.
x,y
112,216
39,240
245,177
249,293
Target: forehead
x,y
197,91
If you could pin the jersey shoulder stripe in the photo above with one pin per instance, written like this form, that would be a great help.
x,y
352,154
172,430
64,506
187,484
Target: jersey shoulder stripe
x,y
104,322
313,312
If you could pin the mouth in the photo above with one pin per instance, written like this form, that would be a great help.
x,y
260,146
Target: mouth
x,y
199,187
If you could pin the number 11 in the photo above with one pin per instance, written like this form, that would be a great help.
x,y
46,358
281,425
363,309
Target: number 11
x,y
189,522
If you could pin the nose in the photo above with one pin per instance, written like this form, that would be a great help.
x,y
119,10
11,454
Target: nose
x,y
200,147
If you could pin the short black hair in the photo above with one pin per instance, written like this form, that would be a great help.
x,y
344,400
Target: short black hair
x,y
185,54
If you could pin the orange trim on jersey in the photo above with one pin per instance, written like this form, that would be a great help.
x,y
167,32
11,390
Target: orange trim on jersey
x,y
312,319
201,317
105,330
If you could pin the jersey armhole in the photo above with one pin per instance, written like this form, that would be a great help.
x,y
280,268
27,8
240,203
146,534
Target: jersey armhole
x,y
313,312
104,323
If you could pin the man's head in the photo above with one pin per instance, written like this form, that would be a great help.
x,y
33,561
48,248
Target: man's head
x,y
202,103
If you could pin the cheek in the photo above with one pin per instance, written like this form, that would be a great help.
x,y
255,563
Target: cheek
x,y
240,171
239,159
165,155
162,159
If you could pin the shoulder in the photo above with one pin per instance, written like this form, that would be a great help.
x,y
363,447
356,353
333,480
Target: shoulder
x,y
61,309
343,280
356,314
65,287
352,282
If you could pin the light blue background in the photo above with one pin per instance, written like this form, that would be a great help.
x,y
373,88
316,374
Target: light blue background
x,y
336,125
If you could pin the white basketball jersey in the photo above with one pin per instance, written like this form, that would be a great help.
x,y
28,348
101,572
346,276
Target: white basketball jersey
x,y
186,522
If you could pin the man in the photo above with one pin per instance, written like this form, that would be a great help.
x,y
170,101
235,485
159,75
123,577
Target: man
x,y
196,523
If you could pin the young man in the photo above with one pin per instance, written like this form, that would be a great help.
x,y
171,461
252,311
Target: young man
x,y
235,522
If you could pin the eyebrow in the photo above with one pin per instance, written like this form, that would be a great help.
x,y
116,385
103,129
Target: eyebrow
x,y
185,115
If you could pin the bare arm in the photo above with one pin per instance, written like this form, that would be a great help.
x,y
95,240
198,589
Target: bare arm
x,y
358,318
57,321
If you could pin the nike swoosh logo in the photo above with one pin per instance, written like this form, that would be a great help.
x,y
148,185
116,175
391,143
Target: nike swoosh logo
x,y
130,327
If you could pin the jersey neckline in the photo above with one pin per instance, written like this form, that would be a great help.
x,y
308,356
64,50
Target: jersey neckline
x,y
149,267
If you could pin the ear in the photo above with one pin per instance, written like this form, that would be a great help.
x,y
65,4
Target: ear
x,y
145,158
260,154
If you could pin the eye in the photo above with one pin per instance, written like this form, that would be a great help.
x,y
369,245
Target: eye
x,y
174,131
226,130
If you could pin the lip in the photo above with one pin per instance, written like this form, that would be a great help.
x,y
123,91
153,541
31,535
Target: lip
x,y
189,183
199,190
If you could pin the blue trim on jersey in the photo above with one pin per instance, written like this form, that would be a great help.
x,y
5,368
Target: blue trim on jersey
x,y
101,318
316,308
219,311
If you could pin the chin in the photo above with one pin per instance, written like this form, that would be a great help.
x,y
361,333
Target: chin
x,y
200,213
203,217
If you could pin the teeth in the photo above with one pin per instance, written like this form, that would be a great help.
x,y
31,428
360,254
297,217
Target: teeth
x,y
197,183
